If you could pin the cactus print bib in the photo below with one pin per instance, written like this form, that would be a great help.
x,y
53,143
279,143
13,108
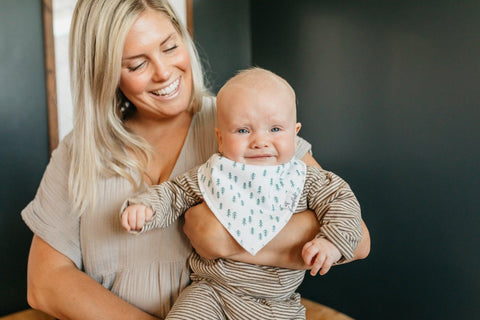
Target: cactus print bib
x,y
253,202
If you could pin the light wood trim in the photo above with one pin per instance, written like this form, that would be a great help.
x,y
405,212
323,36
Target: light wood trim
x,y
189,4
50,76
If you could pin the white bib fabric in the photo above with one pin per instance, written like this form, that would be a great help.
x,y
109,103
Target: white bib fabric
x,y
253,202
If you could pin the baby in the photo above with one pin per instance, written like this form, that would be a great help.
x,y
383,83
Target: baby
x,y
253,186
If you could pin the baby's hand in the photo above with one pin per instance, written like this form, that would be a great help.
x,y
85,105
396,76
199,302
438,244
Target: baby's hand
x,y
320,254
135,216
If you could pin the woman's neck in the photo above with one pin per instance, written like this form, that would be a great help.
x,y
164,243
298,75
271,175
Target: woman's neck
x,y
166,137
158,129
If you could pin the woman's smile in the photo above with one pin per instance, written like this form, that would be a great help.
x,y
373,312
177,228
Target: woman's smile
x,y
170,91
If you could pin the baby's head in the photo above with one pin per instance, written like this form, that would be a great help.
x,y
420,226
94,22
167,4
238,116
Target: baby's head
x,y
256,118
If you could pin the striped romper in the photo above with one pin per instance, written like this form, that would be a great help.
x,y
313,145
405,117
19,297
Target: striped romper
x,y
227,289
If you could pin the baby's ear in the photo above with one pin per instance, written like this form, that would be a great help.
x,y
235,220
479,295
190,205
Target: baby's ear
x,y
219,139
298,125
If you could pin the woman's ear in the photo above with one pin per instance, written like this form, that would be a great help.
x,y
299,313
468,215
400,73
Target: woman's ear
x,y
219,139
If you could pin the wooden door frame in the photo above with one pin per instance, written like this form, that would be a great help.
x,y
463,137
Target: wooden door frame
x,y
50,76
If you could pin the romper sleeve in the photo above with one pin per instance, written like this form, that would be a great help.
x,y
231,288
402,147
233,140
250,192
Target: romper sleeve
x,y
49,214
337,210
168,200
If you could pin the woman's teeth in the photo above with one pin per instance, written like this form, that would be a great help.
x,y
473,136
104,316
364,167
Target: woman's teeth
x,y
168,90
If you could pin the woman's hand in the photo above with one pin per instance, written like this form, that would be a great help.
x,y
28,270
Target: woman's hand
x,y
207,235
55,286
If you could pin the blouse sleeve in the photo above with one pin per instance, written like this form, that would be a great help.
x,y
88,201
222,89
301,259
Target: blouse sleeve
x,y
49,214
303,147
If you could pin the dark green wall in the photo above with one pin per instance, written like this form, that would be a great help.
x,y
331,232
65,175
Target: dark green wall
x,y
222,35
24,147
389,97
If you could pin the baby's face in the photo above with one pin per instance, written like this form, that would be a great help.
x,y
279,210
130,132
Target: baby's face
x,y
257,124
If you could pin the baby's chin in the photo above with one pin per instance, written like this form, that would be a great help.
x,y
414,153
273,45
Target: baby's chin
x,y
261,161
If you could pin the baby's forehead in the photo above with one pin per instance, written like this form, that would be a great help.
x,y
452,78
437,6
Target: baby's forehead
x,y
259,80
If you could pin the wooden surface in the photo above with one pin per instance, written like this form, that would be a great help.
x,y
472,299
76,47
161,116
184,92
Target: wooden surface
x,y
29,314
315,311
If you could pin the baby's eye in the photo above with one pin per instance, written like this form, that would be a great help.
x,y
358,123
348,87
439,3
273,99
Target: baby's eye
x,y
275,129
243,130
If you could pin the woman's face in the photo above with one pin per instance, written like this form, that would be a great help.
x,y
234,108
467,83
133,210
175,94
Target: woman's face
x,y
156,73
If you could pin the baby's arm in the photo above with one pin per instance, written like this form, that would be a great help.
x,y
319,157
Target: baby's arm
x,y
162,204
338,212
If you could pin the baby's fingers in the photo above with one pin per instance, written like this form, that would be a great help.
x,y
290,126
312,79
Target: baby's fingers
x,y
133,218
148,214
124,221
144,214
139,219
318,264
308,253
327,264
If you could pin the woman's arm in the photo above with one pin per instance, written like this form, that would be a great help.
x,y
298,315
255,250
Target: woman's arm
x,y
55,286
211,240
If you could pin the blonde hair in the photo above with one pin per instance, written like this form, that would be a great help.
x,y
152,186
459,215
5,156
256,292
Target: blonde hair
x,y
98,32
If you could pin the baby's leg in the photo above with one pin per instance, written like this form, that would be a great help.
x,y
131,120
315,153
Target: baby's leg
x,y
198,301
238,306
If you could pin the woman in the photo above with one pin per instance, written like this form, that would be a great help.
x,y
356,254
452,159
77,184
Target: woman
x,y
142,115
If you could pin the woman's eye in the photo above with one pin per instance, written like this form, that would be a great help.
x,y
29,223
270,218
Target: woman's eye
x,y
275,129
171,48
242,131
136,67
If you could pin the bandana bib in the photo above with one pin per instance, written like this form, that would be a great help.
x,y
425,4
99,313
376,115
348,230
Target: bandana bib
x,y
253,202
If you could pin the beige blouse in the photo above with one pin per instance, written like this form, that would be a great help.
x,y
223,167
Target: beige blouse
x,y
148,270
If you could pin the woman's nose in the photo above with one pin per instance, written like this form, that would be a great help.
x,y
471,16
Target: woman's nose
x,y
161,71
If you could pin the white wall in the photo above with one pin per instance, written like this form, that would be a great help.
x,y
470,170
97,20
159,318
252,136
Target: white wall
x,y
62,14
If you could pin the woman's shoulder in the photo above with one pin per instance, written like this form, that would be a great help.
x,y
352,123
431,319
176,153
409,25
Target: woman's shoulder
x,y
62,153
203,130
205,120
65,143
209,108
